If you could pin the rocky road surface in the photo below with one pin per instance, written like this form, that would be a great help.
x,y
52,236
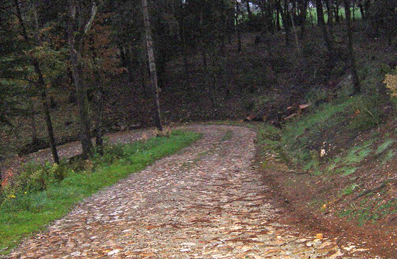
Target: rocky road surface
x,y
206,201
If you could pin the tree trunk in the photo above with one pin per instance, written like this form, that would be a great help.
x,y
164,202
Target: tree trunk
x,y
367,5
47,115
130,66
207,75
122,55
286,20
224,29
249,9
321,23
278,20
33,120
267,16
238,27
311,19
82,102
337,17
99,125
75,40
296,37
152,64
330,21
360,6
184,50
98,102
40,84
303,15
356,82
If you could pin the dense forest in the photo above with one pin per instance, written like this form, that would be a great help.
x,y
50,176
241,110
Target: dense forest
x,y
110,61
75,70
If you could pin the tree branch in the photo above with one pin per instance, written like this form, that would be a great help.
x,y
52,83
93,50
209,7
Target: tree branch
x,y
94,11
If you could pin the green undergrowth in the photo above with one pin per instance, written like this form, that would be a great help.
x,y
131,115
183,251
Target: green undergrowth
x,y
337,144
323,126
369,209
42,194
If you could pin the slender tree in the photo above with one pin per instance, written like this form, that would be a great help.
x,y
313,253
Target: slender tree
x,y
248,9
238,26
286,18
303,18
152,64
321,23
78,27
37,68
356,82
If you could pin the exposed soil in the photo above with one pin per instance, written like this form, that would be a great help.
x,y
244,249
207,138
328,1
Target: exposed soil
x,y
207,201
316,201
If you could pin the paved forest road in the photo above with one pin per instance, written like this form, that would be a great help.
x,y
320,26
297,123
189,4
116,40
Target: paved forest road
x,y
204,202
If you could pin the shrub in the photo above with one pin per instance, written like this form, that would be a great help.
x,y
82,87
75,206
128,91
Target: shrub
x,y
316,94
368,111
391,83
36,177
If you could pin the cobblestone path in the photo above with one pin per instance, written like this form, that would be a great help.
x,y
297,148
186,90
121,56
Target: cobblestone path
x,y
204,202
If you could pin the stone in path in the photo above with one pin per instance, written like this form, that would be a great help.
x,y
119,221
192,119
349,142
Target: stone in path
x,y
204,202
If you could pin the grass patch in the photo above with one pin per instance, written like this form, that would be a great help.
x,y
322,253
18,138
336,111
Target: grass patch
x,y
321,118
348,171
388,156
384,146
350,189
23,212
356,155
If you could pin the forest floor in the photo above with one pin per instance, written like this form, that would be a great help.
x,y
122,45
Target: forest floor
x,y
210,200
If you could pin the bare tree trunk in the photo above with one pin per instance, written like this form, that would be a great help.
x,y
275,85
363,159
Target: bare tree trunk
x,y
75,40
33,120
224,29
286,21
43,91
47,115
98,102
367,5
41,84
304,16
278,20
238,27
249,9
311,19
330,13
130,66
296,37
99,125
356,82
152,64
122,55
321,23
207,75
337,17
81,94
184,47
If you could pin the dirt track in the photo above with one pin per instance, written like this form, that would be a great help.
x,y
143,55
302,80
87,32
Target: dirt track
x,y
207,201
